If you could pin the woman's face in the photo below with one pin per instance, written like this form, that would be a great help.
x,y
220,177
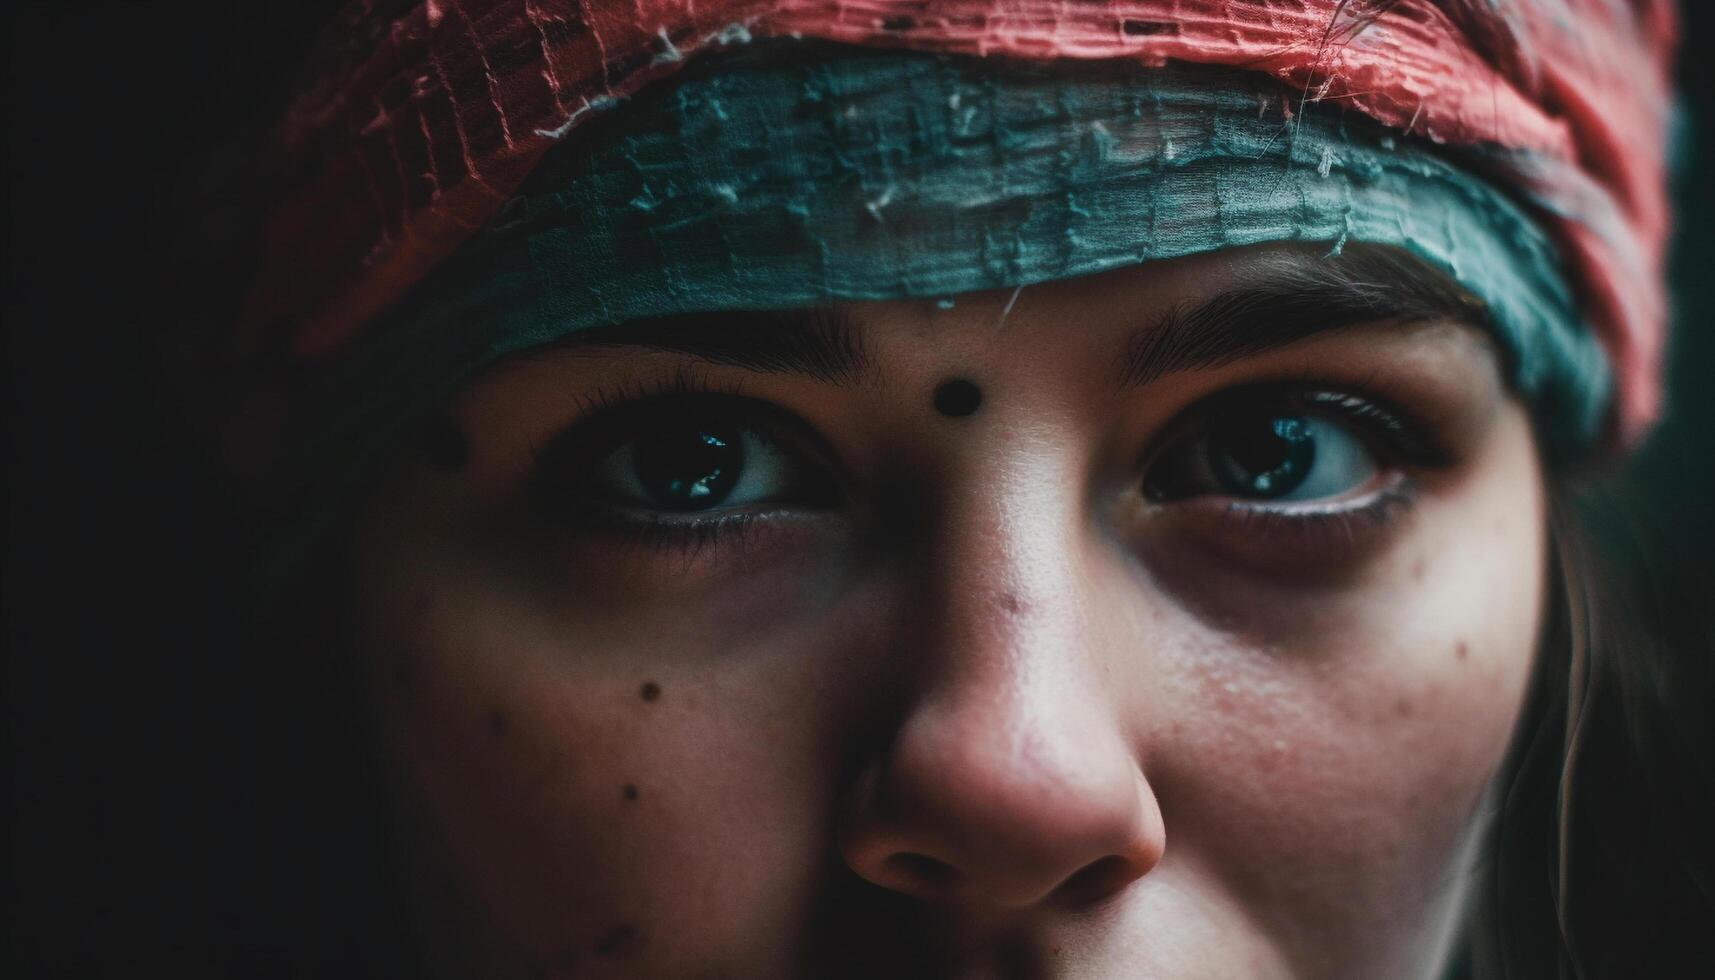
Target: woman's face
x,y
1179,636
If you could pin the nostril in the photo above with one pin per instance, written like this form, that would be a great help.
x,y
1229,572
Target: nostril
x,y
921,874
1096,881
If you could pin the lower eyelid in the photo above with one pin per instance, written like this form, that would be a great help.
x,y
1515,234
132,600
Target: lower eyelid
x,y
1307,539
605,526
1386,485
1377,511
642,556
610,519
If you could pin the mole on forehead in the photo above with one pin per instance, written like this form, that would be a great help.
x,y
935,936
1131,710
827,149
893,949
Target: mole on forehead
x,y
957,397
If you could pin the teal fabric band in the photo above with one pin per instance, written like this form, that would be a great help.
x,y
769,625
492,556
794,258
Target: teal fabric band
x,y
790,174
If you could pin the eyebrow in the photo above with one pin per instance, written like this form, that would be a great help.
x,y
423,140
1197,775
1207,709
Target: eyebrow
x,y
1295,296
818,342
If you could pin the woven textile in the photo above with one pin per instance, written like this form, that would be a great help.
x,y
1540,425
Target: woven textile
x,y
429,115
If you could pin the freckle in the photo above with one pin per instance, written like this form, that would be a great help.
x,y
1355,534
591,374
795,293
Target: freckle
x,y
1010,603
1417,570
497,721
1462,651
621,940
1402,707
651,691
629,791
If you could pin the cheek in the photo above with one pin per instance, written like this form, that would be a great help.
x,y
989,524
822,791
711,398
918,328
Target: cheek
x,y
1334,748
589,794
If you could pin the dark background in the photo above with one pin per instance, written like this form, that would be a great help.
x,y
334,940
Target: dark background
x,y
137,766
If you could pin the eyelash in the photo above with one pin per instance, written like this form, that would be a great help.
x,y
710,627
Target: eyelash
x,y
607,401
1413,443
686,538
1388,431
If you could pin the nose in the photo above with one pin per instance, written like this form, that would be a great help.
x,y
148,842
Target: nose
x,y
1009,780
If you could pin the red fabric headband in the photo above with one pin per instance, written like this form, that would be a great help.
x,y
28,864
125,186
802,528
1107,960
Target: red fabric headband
x,y
433,112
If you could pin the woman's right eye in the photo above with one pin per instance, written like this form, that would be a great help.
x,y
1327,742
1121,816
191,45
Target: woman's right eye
x,y
686,458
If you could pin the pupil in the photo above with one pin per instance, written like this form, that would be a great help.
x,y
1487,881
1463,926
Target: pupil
x,y
1264,456
688,468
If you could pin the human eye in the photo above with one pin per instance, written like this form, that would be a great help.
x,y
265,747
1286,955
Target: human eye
x,y
1273,458
683,467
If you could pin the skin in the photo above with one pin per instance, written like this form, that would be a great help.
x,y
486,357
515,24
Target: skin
x,y
998,714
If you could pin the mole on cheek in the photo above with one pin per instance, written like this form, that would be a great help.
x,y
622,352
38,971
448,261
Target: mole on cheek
x,y
651,691
957,398
629,793
498,722
445,445
1462,651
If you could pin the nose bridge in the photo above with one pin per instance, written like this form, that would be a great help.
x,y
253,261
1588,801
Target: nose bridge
x,y
1002,571
1000,628
1009,779
1014,687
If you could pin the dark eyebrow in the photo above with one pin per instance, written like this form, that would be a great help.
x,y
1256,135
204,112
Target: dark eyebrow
x,y
1296,295
818,342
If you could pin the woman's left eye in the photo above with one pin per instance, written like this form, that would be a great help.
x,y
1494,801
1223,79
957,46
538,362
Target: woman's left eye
x,y
1271,447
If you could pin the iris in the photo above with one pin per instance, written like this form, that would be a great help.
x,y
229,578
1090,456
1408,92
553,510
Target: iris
x,y
1263,457
688,467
